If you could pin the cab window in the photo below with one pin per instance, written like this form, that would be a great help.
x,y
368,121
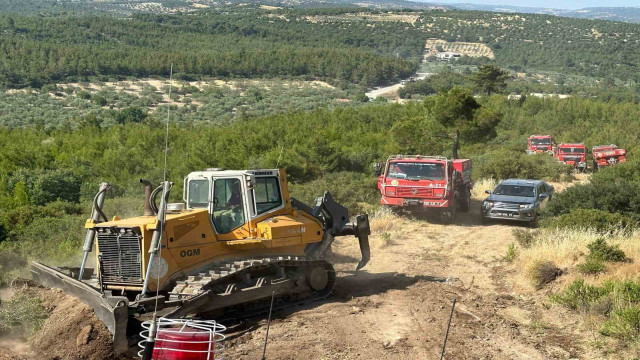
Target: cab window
x,y
198,193
267,193
228,210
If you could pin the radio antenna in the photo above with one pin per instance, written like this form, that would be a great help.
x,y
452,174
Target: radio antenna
x,y
166,135
149,346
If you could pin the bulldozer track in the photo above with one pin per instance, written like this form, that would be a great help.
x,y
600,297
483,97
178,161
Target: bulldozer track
x,y
260,274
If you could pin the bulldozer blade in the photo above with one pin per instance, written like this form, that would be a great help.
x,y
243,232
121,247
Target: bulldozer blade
x,y
111,310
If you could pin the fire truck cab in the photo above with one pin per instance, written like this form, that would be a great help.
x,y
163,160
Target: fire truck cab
x,y
572,154
537,144
425,183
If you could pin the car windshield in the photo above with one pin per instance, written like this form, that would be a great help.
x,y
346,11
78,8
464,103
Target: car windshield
x,y
541,141
416,171
515,190
572,150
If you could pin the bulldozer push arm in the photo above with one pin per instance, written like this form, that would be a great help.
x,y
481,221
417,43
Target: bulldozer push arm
x,y
220,290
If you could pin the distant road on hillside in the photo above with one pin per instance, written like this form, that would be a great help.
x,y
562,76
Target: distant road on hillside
x,y
393,88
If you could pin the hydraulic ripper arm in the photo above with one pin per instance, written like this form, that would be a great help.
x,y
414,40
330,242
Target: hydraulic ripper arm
x,y
335,219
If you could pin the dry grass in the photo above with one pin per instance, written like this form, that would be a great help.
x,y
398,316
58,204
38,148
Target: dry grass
x,y
479,187
568,248
385,227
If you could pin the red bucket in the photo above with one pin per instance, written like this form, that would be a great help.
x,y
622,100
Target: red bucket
x,y
190,344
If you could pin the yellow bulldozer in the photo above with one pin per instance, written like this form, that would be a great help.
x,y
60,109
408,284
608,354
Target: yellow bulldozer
x,y
237,238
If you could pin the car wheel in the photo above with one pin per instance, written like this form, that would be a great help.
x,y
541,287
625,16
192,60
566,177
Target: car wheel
x,y
534,223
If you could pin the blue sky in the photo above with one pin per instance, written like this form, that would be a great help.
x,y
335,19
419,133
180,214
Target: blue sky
x,y
558,4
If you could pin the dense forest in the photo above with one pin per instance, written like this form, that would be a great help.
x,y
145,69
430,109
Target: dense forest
x,y
35,51
364,46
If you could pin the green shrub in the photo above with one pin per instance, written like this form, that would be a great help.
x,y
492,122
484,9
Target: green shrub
x,y
420,87
591,266
22,314
22,216
441,81
511,253
610,197
617,301
386,239
361,97
600,250
352,190
580,295
53,239
506,164
623,324
83,95
623,172
99,100
44,186
596,219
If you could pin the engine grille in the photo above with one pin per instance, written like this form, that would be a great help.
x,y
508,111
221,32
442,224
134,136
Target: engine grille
x,y
120,257
505,205
417,192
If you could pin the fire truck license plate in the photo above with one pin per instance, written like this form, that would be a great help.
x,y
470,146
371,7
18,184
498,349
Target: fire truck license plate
x,y
431,203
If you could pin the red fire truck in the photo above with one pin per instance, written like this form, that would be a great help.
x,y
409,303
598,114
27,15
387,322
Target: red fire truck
x,y
572,154
606,155
540,143
425,183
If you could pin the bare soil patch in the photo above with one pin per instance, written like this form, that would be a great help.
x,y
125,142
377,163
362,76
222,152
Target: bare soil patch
x,y
72,332
463,48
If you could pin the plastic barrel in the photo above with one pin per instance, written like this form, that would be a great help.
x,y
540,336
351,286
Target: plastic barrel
x,y
191,344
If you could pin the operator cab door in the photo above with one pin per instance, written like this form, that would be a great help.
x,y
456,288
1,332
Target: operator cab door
x,y
266,194
228,207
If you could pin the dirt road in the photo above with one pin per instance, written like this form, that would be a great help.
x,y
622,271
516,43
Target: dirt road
x,y
399,305
392,89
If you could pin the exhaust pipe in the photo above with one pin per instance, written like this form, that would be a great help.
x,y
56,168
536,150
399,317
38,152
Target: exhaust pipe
x,y
147,197
96,215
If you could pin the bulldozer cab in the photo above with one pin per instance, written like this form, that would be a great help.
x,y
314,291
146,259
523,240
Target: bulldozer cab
x,y
235,198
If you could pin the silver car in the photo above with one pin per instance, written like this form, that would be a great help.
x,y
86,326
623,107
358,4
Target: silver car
x,y
517,199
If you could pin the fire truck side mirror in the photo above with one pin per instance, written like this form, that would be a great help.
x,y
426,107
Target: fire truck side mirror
x,y
377,169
